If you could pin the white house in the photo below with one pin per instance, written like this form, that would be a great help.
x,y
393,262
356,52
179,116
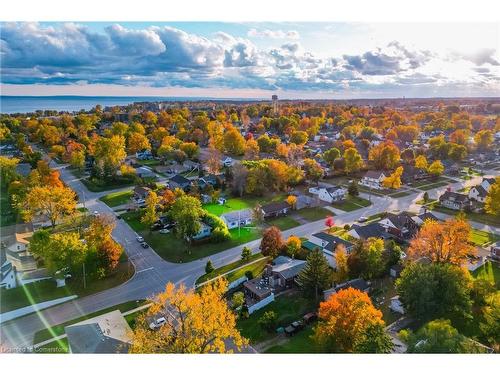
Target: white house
x,y
8,278
236,219
373,179
329,194
17,252
205,231
478,193
487,182
227,162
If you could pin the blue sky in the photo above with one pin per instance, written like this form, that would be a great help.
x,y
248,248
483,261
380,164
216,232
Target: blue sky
x,y
294,60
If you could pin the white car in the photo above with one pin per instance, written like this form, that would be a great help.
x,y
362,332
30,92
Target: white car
x,y
96,214
362,219
157,323
164,231
139,239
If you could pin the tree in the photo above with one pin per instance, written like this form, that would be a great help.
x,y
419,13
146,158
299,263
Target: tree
x,y
443,242
437,336
435,291
374,340
272,242
484,139
240,174
367,258
268,321
190,148
426,197
345,319
167,199
197,322
353,160
234,143
8,169
293,245
252,149
313,170
59,251
292,201
55,202
385,155
329,222
353,189
257,215
492,202
394,180
436,168
238,299
341,267
246,253
109,153
187,213
150,215
331,155
299,138
209,268
316,276
137,142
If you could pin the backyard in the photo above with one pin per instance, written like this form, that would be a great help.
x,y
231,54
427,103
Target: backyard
x,y
489,271
235,204
283,223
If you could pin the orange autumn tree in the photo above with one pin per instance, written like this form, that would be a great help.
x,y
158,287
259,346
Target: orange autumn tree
x,y
195,323
446,242
344,320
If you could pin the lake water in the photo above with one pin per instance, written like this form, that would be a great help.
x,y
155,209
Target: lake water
x,y
26,104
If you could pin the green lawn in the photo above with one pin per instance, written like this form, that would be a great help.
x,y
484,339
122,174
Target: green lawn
x,y
256,268
483,238
301,342
314,213
283,223
400,194
289,308
174,249
433,186
95,185
489,271
473,216
117,199
46,290
232,204
352,203
58,330
227,268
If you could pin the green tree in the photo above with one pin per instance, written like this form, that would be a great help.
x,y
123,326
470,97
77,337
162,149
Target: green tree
x,y
313,170
246,253
151,215
187,213
268,321
316,276
492,202
374,340
209,268
353,189
331,155
353,160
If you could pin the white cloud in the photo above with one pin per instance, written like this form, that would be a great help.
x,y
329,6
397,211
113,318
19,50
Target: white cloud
x,y
273,34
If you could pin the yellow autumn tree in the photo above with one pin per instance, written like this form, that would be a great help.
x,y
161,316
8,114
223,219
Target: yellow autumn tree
x,y
421,162
394,180
492,202
292,200
196,322
443,242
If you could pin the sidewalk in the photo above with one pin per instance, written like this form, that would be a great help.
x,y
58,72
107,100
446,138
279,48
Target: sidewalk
x,y
9,315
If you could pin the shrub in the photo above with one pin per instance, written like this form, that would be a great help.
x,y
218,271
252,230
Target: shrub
x,y
238,299
249,275
268,321
209,267
347,227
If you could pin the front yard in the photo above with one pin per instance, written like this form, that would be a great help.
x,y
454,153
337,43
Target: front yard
x,y
227,268
283,223
483,238
174,249
352,203
232,204
117,199
314,213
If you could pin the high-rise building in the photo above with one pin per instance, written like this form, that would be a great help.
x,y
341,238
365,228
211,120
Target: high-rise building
x,y
275,104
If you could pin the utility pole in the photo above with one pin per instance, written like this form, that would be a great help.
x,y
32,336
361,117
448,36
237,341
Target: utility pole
x,y
239,224
84,279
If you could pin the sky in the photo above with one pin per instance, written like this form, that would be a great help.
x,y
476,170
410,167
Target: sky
x,y
251,60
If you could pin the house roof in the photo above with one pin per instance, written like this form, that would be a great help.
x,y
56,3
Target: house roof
x,y
107,333
358,284
399,220
287,267
369,230
374,174
24,169
333,189
141,190
258,287
244,214
274,207
454,197
332,241
427,216
180,180
490,180
482,192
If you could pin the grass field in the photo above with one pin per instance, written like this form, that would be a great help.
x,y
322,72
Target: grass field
x,y
288,308
117,199
174,249
482,238
314,213
474,216
352,203
232,204
433,186
400,194
256,269
95,185
46,290
300,343
58,330
283,223
489,271
227,268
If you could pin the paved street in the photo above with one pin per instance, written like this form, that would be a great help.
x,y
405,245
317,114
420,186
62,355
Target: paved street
x,y
152,272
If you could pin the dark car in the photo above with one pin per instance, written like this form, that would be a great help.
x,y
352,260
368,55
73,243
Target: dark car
x,y
144,245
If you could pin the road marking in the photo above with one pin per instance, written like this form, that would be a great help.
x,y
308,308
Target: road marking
x,y
146,269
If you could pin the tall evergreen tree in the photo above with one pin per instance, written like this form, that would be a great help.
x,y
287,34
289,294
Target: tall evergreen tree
x,y
316,275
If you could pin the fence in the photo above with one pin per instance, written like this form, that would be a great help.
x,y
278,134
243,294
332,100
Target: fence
x,y
266,301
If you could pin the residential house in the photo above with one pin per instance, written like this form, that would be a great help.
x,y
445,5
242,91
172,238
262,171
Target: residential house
x,y
23,169
191,165
328,245
204,232
478,193
421,218
373,179
141,192
227,162
305,201
17,251
144,155
210,179
275,209
8,279
495,253
179,181
145,172
399,225
455,201
363,232
108,333
329,194
237,219
358,284
283,271
487,182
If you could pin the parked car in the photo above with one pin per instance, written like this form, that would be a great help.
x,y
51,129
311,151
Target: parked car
x,y
144,245
139,239
157,323
362,219
96,214
164,231
310,317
